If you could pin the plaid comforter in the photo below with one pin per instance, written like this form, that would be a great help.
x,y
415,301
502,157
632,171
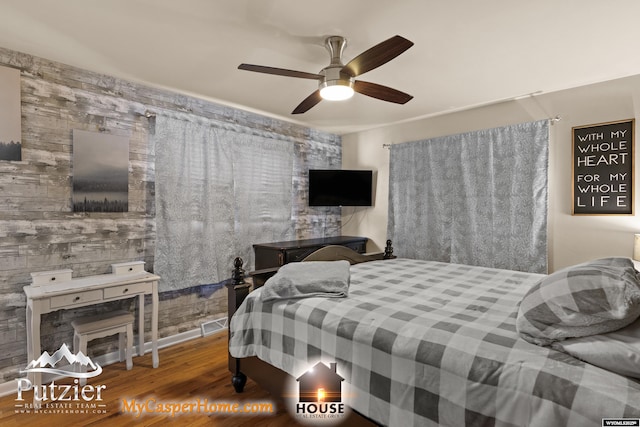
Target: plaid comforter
x,y
432,344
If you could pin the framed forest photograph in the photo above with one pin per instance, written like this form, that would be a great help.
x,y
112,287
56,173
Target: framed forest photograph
x,y
10,116
100,172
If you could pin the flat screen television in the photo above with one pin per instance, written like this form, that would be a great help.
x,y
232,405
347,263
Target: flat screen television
x,y
340,187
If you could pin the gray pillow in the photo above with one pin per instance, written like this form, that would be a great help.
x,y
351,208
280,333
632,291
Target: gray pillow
x,y
587,299
329,279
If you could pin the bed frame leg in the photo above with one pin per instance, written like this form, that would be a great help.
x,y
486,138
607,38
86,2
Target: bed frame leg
x,y
238,290
238,381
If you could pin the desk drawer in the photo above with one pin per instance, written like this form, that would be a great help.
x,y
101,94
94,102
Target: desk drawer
x,y
133,289
76,298
360,247
295,255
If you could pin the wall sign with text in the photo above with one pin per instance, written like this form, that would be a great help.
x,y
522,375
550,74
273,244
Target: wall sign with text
x,y
603,168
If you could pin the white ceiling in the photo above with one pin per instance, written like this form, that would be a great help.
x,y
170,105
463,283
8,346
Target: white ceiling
x,y
467,52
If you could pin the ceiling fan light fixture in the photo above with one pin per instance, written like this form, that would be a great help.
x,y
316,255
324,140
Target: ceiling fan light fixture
x,y
336,92
336,82
336,85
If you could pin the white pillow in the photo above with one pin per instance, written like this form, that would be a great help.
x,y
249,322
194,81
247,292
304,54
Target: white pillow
x,y
617,351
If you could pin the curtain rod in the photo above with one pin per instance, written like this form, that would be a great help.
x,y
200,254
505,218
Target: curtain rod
x,y
553,121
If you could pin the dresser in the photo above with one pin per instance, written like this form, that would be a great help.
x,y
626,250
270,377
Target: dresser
x,y
276,254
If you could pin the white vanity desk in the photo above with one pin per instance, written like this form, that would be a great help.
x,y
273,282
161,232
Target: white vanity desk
x,y
56,290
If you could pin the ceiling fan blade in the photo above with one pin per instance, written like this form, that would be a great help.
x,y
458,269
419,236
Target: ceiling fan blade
x,y
308,103
376,56
381,92
279,71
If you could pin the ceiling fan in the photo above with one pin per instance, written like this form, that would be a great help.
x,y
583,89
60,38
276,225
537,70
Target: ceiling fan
x,y
337,81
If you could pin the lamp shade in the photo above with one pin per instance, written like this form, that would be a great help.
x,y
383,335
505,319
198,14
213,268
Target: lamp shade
x,y
636,247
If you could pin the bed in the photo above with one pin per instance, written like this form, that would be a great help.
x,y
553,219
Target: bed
x,y
424,343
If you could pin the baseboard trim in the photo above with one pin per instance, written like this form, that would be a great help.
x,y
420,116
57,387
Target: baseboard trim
x,y
11,387
7,388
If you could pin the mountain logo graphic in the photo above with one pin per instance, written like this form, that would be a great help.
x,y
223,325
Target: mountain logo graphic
x,y
76,362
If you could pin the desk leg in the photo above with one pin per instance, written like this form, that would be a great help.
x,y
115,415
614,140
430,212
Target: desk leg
x,y
141,325
29,333
33,348
154,325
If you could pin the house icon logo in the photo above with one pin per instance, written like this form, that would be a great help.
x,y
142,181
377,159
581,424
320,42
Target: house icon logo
x,y
320,393
320,384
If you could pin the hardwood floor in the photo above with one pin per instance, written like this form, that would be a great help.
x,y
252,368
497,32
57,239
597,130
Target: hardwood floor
x,y
189,372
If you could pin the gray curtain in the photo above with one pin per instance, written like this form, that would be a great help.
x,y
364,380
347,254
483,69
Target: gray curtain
x,y
477,198
218,189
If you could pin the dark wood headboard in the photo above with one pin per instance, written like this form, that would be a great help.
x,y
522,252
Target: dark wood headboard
x,y
238,288
327,253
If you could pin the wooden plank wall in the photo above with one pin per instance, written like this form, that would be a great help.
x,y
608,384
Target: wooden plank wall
x,y
39,231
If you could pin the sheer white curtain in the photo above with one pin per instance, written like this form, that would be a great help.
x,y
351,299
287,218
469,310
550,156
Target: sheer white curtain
x,y
218,190
263,180
476,198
